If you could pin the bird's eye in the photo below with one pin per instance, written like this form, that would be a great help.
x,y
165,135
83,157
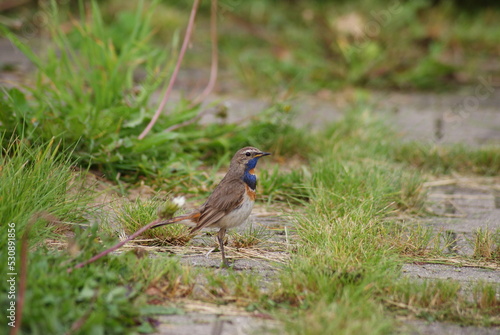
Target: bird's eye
x,y
247,153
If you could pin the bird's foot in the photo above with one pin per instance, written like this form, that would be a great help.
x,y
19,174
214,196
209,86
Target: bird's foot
x,y
225,265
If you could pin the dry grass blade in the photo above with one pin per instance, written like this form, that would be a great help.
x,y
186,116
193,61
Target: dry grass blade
x,y
461,262
227,310
401,305
278,255
461,196
444,182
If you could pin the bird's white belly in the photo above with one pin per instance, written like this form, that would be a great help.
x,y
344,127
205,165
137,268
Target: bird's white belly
x,y
237,216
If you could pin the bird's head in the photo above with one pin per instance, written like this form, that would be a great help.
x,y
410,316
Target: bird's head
x,y
248,157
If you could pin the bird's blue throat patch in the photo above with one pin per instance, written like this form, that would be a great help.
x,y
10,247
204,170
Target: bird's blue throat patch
x,y
249,177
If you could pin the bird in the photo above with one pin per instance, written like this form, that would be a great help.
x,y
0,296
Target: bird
x,y
230,203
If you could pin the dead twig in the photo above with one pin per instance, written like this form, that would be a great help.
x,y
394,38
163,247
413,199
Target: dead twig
x,y
215,55
213,72
23,271
115,247
185,43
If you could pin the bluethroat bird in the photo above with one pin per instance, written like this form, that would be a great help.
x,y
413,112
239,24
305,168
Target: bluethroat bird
x,y
230,203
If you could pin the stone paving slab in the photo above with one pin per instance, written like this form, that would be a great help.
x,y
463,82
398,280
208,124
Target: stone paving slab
x,y
214,324
440,271
418,327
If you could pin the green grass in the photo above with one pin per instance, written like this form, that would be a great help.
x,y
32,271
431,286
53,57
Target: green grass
x,y
453,158
40,188
342,262
444,300
85,94
329,45
344,271
348,255
335,44
276,185
84,90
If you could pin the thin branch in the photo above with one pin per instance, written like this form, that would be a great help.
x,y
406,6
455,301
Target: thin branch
x,y
115,247
213,72
185,43
215,55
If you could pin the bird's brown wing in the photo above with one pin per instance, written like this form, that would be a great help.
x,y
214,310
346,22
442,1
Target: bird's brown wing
x,y
228,195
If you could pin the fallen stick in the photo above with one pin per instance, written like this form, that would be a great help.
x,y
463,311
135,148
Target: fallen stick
x,y
116,246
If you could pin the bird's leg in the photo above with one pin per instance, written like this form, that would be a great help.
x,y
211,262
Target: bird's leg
x,y
220,237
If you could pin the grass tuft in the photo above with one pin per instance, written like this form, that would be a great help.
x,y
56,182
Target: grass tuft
x,y
165,279
252,236
486,244
411,240
134,215
36,180
445,300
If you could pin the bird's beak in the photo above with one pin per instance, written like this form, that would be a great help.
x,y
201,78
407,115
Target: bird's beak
x,y
260,154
